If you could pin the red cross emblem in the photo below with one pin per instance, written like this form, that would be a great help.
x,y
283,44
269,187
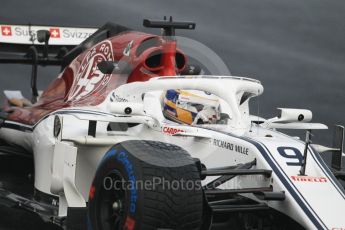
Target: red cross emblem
x,y
6,30
54,32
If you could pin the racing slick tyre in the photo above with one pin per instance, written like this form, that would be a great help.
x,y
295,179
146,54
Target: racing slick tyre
x,y
146,185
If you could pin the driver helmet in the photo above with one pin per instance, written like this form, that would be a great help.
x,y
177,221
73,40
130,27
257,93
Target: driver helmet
x,y
191,107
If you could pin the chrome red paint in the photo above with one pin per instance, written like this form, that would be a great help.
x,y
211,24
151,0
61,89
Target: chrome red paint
x,y
129,224
65,91
92,192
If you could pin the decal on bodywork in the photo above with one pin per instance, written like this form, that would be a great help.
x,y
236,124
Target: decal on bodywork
x,y
127,50
116,98
171,130
89,79
291,153
309,179
289,185
229,146
314,218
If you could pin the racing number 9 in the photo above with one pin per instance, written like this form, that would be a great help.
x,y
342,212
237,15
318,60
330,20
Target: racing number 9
x,y
292,154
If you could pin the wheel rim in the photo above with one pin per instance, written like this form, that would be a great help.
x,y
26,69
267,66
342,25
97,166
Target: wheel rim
x,y
111,207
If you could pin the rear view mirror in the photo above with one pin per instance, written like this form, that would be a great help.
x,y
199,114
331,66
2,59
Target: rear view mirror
x,y
43,36
292,115
106,67
338,145
191,70
110,67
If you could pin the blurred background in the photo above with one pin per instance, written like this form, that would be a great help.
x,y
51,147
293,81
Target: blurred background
x,y
296,48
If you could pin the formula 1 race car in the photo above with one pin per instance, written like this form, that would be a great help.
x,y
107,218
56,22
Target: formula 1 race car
x,y
131,135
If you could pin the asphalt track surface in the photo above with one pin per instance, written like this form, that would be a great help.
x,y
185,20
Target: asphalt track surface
x,y
296,48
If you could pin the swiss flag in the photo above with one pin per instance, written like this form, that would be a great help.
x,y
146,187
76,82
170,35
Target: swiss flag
x,y
54,32
6,30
